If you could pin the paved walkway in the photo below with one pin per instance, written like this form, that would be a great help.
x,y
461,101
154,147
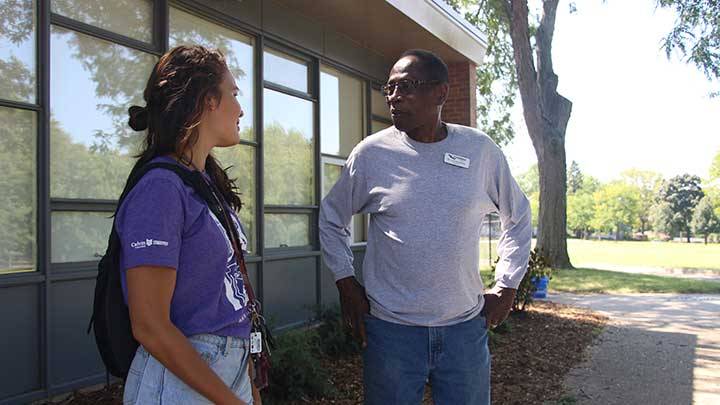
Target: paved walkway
x,y
657,349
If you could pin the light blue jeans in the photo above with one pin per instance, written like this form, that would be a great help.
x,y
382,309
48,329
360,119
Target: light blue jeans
x,y
399,359
149,382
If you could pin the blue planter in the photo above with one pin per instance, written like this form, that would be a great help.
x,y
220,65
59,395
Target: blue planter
x,y
541,285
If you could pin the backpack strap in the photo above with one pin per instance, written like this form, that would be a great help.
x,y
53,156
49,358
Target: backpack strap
x,y
191,178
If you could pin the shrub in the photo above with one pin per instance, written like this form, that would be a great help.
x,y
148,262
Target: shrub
x,y
537,267
334,338
296,371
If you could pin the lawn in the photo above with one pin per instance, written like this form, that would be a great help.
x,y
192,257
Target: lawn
x,y
586,253
582,280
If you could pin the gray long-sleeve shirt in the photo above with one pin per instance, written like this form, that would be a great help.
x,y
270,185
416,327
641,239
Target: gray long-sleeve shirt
x,y
426,202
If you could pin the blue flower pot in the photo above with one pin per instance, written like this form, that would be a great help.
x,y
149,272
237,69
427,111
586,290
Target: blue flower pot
x,y
541,285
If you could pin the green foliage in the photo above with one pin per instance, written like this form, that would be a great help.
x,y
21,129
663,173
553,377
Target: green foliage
x,y
661,217
715,167
616,207
538,266
496,79
574,178
335,338
705,221
296,371
648,184
696,34
682,193
529,181
580,213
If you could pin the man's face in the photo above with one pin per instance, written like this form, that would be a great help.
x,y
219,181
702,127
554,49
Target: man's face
x,y
412,105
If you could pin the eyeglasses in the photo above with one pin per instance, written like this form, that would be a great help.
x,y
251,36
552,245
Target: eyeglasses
x,y
405,87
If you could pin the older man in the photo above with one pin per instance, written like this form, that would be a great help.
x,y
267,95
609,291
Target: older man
x,y
427,185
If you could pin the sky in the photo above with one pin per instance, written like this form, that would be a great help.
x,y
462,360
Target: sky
x,y
632,107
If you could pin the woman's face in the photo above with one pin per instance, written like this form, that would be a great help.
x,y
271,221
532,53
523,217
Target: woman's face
x,y
223,117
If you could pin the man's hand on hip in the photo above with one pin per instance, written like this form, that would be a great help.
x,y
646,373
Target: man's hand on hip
x,y
498,302
354,305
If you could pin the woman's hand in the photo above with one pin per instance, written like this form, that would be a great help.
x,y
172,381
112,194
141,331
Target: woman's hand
x,y
150,290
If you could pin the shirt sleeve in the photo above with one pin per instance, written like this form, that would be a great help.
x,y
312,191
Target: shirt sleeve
x,y
150,223
516,225
346,198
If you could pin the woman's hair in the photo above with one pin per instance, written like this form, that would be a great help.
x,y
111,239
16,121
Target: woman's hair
x,y
180,87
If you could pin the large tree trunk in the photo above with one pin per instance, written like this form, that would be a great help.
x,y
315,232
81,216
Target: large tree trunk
x,y
552,219
546,115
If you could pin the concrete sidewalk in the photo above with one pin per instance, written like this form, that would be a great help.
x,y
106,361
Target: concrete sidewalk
x,y
657,349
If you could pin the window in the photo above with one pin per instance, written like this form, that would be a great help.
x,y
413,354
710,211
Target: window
x,y
18,196
131,18
289,157
287,230
188,29
92,82
79,236
289,150
332,168
380,113
286,70
342,125
377,126
342,112
238,49
17,50
379,105
241,160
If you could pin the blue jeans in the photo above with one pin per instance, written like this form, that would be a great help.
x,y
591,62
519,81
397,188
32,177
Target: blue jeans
x,y
400,359
149,382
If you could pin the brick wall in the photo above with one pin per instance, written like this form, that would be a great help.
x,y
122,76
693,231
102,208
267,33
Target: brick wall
x,y
460,107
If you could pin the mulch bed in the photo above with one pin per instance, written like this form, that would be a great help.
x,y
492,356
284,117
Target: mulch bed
x,y
529,360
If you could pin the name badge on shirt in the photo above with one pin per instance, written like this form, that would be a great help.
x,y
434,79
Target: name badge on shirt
x,y
457,160
255,342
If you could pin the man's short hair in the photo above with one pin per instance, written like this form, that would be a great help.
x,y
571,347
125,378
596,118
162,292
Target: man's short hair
x,y
431,66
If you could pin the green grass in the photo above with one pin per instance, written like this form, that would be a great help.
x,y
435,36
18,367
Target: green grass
x,y
582,280
584,253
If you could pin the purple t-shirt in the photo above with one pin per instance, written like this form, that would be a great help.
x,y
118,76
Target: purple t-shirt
x,y
163,222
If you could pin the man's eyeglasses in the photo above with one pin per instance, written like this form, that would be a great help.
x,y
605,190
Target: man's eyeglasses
x,y
405,87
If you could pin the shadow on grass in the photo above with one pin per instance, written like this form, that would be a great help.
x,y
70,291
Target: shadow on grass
x,y
584,280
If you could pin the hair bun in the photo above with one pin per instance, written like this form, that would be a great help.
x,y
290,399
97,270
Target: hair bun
x,y
138,118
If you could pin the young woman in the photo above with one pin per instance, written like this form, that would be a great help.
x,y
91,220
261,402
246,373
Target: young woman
x,y
187,298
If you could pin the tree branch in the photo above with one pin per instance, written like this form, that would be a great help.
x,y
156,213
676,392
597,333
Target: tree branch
x,y
526,74
544,37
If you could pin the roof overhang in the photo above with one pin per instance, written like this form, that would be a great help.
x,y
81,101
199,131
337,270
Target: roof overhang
x,y
443,22
389,27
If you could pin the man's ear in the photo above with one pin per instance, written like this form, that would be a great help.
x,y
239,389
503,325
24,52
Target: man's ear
x,y
442,93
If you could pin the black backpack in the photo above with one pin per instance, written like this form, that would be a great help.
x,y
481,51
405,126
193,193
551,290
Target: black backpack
x,y
111,318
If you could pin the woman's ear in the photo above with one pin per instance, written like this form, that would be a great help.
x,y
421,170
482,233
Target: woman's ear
x,y
212,103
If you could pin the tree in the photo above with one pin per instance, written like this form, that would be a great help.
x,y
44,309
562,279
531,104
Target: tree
x,y
715,167
696,34
580,213
661,217
705,221
683,193
546,113
616,206
648,183
575,178
529,181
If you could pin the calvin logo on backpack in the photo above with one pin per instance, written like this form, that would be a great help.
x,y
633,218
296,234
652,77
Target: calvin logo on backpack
x,y
111,318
